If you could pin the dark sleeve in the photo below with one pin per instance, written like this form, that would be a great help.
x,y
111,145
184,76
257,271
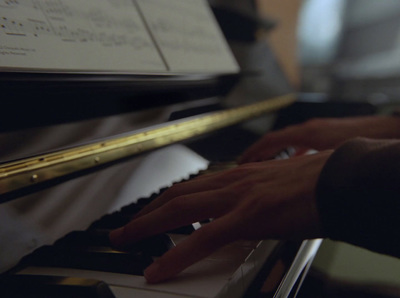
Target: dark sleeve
x,y
358,195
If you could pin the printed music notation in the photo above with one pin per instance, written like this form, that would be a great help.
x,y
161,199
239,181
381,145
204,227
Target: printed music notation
x,y
55,18
185,32
111,35
8,3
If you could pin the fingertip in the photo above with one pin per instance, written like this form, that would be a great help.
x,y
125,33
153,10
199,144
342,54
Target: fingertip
x,y
241,160
152,274
161,270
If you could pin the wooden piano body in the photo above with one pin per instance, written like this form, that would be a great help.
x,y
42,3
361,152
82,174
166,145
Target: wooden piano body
x,y
188,120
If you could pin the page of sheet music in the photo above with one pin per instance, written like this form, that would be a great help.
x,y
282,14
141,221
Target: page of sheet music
x,y
117,36
187,35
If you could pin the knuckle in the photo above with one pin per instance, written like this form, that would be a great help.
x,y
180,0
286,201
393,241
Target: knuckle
x,y
314,123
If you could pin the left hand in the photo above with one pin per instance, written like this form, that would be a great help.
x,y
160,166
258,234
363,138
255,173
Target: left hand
x,y
271,199
321,134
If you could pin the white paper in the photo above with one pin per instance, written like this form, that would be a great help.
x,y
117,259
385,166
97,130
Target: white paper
x,y
187,35
111,36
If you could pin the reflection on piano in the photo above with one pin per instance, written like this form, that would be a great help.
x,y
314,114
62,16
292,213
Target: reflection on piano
x,y
124,138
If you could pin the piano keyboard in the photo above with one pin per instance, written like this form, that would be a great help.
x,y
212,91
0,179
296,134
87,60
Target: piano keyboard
x,y
82,264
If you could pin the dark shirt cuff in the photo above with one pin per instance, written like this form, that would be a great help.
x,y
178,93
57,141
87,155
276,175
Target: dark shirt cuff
x,y
358,195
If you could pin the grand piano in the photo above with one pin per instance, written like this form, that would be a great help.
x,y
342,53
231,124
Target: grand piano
x,y
105,104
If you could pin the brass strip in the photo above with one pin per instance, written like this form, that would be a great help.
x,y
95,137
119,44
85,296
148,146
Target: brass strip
x,y
26,172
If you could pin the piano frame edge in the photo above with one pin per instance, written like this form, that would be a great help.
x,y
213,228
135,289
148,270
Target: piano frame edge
x,y
284,271
299,268
29,175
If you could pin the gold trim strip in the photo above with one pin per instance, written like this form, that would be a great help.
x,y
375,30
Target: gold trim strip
x,y
27,172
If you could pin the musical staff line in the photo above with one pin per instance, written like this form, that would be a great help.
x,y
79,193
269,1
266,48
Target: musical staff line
x,y
122,35
62,21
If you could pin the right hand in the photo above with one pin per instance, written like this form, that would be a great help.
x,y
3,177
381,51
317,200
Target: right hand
x,y
266,200
321,134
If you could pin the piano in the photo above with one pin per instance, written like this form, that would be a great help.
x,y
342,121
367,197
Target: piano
x,y
90,134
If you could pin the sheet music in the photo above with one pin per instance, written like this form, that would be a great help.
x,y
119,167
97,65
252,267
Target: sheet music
x,y
86,35
186,35
111,36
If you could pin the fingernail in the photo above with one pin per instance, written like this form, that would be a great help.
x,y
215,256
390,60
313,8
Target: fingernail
x,y
152,273
116,237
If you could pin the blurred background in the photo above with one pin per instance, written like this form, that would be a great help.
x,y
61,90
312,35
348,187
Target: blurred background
x,y
347,49
342,50
338,51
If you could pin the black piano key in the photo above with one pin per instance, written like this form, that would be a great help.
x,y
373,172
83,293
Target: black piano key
x,y
122,217
39,286
95,237
154,246
111,221
96,259
131,209
185,230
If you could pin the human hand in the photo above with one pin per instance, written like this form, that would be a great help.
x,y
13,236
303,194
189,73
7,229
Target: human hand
x,y
271,199
321,134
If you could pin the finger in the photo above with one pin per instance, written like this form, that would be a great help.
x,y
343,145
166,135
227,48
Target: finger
x,y
206,182
178,212
197,246
176,190
264,149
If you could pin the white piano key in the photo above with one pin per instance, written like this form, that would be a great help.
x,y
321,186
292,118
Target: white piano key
x,y
237,251
262,252
177,238
211,277
196,225
204,279
232,252
124,292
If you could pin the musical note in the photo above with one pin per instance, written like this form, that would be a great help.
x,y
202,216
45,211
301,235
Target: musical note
x,y
24,27
112,35
65,22
185,29
8,3
12,27
188,25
